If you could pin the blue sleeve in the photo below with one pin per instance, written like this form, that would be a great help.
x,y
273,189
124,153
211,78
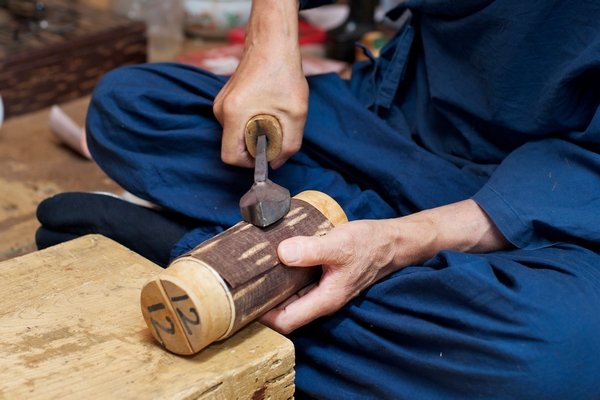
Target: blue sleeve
x,y
305,4
515,84
545,192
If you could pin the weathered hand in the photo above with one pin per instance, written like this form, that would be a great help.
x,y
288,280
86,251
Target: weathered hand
x,y
353,256
268,80
357,254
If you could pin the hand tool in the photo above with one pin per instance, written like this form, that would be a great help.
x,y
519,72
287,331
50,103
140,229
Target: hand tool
x,y
266,202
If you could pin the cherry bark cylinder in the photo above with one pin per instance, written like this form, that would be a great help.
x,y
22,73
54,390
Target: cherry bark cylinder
x,y
228,281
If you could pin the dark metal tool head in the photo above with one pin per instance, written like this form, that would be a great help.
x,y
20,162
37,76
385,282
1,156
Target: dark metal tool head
x,y
266,202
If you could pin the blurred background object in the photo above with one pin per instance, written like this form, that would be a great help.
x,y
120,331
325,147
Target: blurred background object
x,y
383,8
360,20
29,17
131,9
327,34
164,27
164,24
214,18
53,51
224,59
327,17
310,37
350,21
372,40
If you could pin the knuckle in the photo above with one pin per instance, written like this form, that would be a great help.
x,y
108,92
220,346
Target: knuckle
x,y
227,109
218,113
228,158
232,104
299,111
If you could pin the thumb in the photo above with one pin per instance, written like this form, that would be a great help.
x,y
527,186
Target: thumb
x,y
304,251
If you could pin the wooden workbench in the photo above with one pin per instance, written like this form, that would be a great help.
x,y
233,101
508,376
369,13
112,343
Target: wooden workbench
x,y
71,327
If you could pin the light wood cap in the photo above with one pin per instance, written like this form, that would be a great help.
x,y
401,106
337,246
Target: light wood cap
x,y
270,125
325,204
197,302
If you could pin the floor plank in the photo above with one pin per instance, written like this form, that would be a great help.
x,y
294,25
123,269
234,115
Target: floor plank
x,y
34,165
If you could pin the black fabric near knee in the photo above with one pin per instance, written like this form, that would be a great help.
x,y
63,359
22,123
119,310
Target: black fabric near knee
x,y
150,233
45,238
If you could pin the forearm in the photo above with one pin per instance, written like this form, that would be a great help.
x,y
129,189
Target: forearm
x,y
273,24
268,80
462,226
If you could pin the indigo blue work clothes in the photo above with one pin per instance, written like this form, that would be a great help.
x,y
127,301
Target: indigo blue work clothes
x,y
491,100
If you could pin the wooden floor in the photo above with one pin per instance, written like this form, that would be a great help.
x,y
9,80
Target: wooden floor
x,y
35,165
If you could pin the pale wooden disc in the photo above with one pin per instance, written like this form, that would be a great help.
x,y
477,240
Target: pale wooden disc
x,y
162,319
272,129
201,300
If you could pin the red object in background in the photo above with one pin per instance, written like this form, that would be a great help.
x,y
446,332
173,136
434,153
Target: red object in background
x,y
307,34
221,60
225,59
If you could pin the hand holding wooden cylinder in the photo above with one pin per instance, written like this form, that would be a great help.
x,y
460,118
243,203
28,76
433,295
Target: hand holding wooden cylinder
x,y
230,280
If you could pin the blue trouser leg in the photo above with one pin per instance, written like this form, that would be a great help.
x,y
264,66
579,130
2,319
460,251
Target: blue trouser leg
x,y
509,325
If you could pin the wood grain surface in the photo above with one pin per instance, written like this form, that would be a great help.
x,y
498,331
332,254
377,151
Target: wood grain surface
x,y
72,328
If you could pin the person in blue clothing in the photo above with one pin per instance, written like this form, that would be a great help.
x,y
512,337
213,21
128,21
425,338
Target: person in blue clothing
x,y
467,157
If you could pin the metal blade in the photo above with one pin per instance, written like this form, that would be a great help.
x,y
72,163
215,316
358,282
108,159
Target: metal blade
x,y
266,202
260,164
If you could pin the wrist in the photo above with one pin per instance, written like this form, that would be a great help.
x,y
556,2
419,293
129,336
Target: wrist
x,y
466,227
462,226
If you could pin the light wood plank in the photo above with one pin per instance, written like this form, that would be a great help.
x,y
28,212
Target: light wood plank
x,y
72,328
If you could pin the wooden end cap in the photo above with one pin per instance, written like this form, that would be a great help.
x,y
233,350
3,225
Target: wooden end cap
x,y
270,125
196,302
162,319
325,204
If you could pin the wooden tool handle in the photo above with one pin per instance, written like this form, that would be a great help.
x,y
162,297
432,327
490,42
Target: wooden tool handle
x,y
230,280
270,125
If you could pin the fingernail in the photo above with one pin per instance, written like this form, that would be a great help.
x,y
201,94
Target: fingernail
x,y
290,252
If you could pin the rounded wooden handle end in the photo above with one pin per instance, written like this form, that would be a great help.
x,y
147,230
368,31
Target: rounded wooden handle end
x,y
272,128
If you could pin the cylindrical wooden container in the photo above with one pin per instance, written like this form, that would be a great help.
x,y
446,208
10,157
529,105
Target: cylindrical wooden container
x,y
233,278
